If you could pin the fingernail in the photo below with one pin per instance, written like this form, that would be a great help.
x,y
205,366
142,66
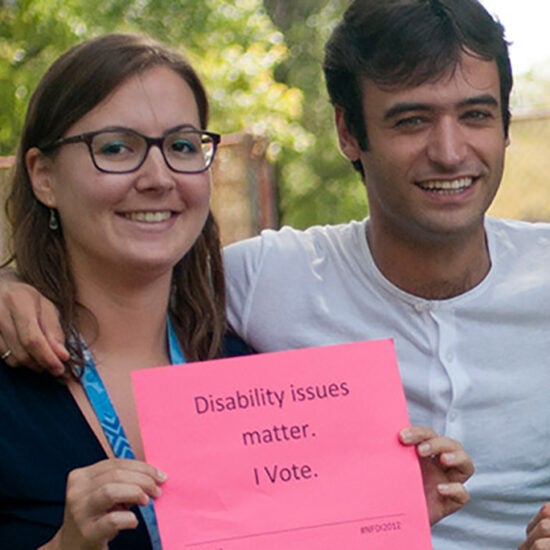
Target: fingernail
x,y
406,436
449,457
443,488
161,476
424,448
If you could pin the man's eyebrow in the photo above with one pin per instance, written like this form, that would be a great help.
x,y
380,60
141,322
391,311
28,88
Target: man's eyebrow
x,y
485,99
405,107
400,108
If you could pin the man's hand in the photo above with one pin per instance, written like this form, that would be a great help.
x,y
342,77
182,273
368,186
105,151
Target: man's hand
x,y
30,332
538,531
445,465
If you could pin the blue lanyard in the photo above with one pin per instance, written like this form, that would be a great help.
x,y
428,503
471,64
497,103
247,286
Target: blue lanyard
x,y
110,423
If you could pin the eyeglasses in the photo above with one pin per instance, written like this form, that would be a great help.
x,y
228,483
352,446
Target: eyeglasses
x,y
122,150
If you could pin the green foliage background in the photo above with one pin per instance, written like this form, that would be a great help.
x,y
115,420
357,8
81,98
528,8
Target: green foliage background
x,y
260,60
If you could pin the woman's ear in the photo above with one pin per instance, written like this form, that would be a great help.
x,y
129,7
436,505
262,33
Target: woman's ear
x,y
39,168
348,142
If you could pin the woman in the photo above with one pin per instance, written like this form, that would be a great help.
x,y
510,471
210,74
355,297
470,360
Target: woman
x,y
110,221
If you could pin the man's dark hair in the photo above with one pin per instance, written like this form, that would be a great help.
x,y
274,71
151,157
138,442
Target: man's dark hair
x,y
409,43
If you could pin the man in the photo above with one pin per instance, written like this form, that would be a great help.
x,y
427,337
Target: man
x,y
421,95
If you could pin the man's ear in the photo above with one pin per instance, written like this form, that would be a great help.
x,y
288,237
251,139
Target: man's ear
x,y
348,142
39,168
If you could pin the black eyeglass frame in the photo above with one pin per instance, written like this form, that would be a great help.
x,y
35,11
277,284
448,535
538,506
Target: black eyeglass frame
x,y
88,137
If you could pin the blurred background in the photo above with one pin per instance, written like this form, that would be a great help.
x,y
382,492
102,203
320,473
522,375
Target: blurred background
x,y
261,62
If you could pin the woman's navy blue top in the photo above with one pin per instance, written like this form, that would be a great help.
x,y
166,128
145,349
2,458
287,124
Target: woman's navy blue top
x,y
43,436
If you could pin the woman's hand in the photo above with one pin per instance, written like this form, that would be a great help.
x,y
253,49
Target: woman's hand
x,y
30,332
445,468
538,531
98,499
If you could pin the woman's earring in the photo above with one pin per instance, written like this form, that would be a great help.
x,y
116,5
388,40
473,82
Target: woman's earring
x,y
54,223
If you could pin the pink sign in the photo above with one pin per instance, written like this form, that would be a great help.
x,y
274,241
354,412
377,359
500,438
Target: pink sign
x,y
295,450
